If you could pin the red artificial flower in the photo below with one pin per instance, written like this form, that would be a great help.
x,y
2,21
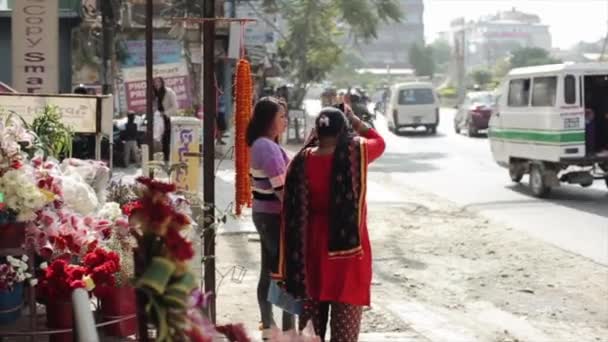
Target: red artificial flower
x,y
234,332
128,208
156,186
180,248
16,164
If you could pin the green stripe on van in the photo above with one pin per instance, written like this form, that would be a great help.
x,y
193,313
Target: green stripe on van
x,y
556,137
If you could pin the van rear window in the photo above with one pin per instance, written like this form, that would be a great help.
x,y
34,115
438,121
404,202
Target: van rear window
x,y
421,96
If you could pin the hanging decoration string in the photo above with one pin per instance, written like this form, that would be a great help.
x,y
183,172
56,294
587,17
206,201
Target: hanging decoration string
x,y
244,101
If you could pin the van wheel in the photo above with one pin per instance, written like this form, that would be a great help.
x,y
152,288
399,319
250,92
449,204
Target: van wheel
x,y
432,129
538,184
456,128
472,130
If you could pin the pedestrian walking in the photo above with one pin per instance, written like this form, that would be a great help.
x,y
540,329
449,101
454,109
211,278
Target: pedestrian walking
x,y
131,150
166,104
325,253
268,166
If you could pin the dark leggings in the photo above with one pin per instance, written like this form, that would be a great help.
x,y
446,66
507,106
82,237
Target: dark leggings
x,y
268,226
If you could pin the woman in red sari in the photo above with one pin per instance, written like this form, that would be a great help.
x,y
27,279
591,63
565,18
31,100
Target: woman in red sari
x,y
325,253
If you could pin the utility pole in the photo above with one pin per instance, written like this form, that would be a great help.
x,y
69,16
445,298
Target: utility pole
x,y
108,22
149,78
210,112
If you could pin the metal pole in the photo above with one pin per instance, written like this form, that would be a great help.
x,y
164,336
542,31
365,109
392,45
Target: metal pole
x,y
107,20
149,79
140,255
83,316
210,111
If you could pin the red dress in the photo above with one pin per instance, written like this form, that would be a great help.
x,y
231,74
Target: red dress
x,y
345,280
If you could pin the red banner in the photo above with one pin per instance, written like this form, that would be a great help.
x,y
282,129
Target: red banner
x,y
136,93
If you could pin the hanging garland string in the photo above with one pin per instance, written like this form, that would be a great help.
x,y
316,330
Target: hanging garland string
x,y
244,102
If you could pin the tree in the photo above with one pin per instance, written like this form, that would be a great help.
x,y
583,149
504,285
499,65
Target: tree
x,y
481,77
531,56
421,58
442,53
311,47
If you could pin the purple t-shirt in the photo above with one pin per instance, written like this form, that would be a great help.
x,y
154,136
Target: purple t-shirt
x,y
267,170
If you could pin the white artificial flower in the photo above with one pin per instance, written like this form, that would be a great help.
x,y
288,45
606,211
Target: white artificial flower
x,y
44,265
33,282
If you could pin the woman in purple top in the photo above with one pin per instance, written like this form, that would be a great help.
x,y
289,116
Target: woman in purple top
x,y
268,167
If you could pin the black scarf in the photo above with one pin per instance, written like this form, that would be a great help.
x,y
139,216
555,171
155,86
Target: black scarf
x,y
348,181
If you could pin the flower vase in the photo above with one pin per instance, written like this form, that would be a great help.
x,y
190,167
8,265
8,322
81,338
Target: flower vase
x,y
59,316
117,303
11,303
12,235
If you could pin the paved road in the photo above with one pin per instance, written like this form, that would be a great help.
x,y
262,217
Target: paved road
x,y
461,169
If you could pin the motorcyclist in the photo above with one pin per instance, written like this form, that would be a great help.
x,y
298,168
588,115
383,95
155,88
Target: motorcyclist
x,y
359,106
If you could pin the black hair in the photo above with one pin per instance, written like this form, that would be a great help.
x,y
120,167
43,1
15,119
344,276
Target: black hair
x,y
264,114
331,122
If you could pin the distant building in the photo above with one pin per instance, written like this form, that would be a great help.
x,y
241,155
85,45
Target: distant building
x,y
391,48
493,37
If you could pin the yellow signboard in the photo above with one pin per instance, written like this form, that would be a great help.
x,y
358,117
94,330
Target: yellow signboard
x,y
185,138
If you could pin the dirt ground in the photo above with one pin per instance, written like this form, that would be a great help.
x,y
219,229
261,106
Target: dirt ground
x,y
442,273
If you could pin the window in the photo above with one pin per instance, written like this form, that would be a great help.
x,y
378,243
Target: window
x,y
519,93
419,96
544,92
570,89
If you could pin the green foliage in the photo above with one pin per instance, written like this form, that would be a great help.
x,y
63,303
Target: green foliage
x,y
481,76
448,92
442,53
311,49
54,137
524,57
421,58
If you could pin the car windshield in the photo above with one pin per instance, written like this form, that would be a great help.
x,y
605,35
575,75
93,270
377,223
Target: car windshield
x,y
420,96
482,99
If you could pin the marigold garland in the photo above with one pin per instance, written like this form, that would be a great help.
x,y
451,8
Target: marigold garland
x,y
244,100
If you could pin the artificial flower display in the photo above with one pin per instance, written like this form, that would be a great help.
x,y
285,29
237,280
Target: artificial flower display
x,y
162,256
13,272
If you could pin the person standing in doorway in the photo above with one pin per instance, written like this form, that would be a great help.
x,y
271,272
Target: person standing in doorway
x,y
166,104
268,166
131,150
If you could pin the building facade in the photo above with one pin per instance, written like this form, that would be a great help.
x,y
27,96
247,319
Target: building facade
x,y
493,37
391,48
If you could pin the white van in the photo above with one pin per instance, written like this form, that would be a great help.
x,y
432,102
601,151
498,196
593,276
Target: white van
x,y
552,122
413,104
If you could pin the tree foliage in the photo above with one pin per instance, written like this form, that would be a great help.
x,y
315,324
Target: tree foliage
x,y
421,58
481,76
312,46
442,53
531,56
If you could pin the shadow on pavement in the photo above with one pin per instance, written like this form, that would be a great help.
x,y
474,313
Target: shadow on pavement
x,y
406,162
591,201
419,134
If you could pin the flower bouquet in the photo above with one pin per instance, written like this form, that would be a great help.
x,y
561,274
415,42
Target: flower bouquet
x,y
119,300
12,276
161,259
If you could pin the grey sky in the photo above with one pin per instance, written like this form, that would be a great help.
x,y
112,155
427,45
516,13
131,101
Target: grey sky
x,y
570,20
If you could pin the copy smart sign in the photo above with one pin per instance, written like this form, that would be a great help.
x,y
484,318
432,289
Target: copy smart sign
x,y
35,40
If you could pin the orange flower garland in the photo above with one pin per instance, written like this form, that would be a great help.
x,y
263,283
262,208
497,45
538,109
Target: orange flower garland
x,y
244,100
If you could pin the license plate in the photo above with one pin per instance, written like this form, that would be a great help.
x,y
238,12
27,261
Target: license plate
x,y
417,119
